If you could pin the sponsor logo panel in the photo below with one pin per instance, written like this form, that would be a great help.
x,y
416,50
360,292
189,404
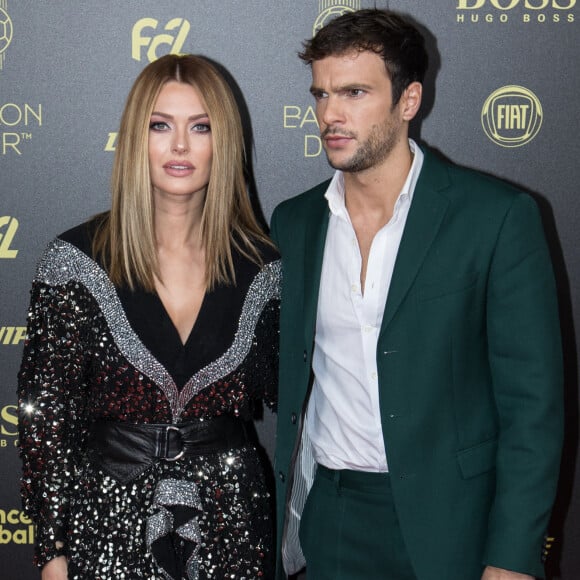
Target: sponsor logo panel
x,y
523,11
329,9
8,426
15,527
146,39
8,229
17,124
6,31
512,116
12,335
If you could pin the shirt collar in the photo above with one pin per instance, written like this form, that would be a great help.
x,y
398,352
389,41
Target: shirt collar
x,y
335,192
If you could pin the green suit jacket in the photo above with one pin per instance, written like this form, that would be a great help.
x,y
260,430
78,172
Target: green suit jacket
x,y
470,370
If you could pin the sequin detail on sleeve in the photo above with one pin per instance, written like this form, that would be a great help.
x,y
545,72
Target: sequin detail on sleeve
x,y
51,396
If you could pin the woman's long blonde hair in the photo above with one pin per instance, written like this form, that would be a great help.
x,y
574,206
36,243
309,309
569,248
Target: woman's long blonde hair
x,y
125,236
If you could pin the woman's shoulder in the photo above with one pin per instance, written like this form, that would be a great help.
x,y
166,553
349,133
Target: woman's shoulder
x,y
68,255
82,235
260,264
252,251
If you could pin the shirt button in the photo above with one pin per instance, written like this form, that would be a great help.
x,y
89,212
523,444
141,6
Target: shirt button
x,y
374,376
282,477
293,418
305,356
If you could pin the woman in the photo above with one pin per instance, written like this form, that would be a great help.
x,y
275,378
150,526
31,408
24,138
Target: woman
x,y
152,333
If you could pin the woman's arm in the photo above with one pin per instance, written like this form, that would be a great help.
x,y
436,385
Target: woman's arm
x,y
51,414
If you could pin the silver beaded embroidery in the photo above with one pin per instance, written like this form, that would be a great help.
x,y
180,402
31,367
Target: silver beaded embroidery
x,y
265,287
171,492
63,262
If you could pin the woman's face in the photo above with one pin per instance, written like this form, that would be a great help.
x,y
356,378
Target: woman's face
x,y
180,143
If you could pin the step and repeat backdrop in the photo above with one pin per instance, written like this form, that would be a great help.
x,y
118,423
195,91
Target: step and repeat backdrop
x,y
502,96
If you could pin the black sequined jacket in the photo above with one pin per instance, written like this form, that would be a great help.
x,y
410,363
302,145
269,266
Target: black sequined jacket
x,y
98,352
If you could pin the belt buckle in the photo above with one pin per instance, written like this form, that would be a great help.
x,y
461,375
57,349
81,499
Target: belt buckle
x,y
169,428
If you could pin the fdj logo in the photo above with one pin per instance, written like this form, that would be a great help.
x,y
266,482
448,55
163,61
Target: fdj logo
x,y
8,227
512,116
178,28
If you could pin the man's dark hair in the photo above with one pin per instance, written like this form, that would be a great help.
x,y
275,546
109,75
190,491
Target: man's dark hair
x,y
383,32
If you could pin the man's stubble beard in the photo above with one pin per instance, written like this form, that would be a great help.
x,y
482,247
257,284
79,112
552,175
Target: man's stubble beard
x,y
372,152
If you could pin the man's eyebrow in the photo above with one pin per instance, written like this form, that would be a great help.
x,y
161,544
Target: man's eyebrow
x,y
342,88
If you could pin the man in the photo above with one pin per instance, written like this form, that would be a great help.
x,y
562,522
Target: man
x,y
420,360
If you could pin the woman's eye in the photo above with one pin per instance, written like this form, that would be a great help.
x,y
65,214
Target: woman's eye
x,y
158,126
202,128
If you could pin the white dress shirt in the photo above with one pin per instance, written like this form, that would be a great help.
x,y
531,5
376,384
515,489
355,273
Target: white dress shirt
x,y
343,418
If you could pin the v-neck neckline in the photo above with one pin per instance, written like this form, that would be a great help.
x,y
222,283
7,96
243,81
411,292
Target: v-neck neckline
x,y
211,335
174,328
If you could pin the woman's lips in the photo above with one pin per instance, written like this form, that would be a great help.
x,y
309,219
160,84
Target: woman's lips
x,y
178,168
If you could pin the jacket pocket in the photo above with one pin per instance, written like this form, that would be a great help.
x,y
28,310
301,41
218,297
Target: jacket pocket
x,y
444,287
478,459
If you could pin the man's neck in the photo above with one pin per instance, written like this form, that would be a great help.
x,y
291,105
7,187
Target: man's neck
x,y
374,192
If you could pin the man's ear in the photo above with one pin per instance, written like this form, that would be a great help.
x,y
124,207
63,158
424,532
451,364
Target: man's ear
x,y
411,100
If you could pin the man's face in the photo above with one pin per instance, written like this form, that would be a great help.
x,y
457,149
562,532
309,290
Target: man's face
x,y
359,126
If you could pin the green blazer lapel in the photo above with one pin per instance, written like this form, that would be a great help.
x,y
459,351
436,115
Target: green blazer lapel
x,y
315,238
423,222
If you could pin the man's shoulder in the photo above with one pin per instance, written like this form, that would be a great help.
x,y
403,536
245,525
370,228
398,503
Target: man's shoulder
x,y
465,183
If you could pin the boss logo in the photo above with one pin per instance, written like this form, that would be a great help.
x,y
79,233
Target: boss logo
x,y
511,4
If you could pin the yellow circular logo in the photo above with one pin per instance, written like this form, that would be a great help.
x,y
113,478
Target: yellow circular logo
x,y
5,30
329,14
512,116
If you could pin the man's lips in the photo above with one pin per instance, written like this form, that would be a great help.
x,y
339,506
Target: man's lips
x,y
336,140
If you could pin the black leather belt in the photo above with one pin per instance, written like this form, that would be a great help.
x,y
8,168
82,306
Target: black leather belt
x,y
124,450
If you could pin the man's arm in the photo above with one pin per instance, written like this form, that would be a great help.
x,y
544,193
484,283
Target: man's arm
x,y
526,365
